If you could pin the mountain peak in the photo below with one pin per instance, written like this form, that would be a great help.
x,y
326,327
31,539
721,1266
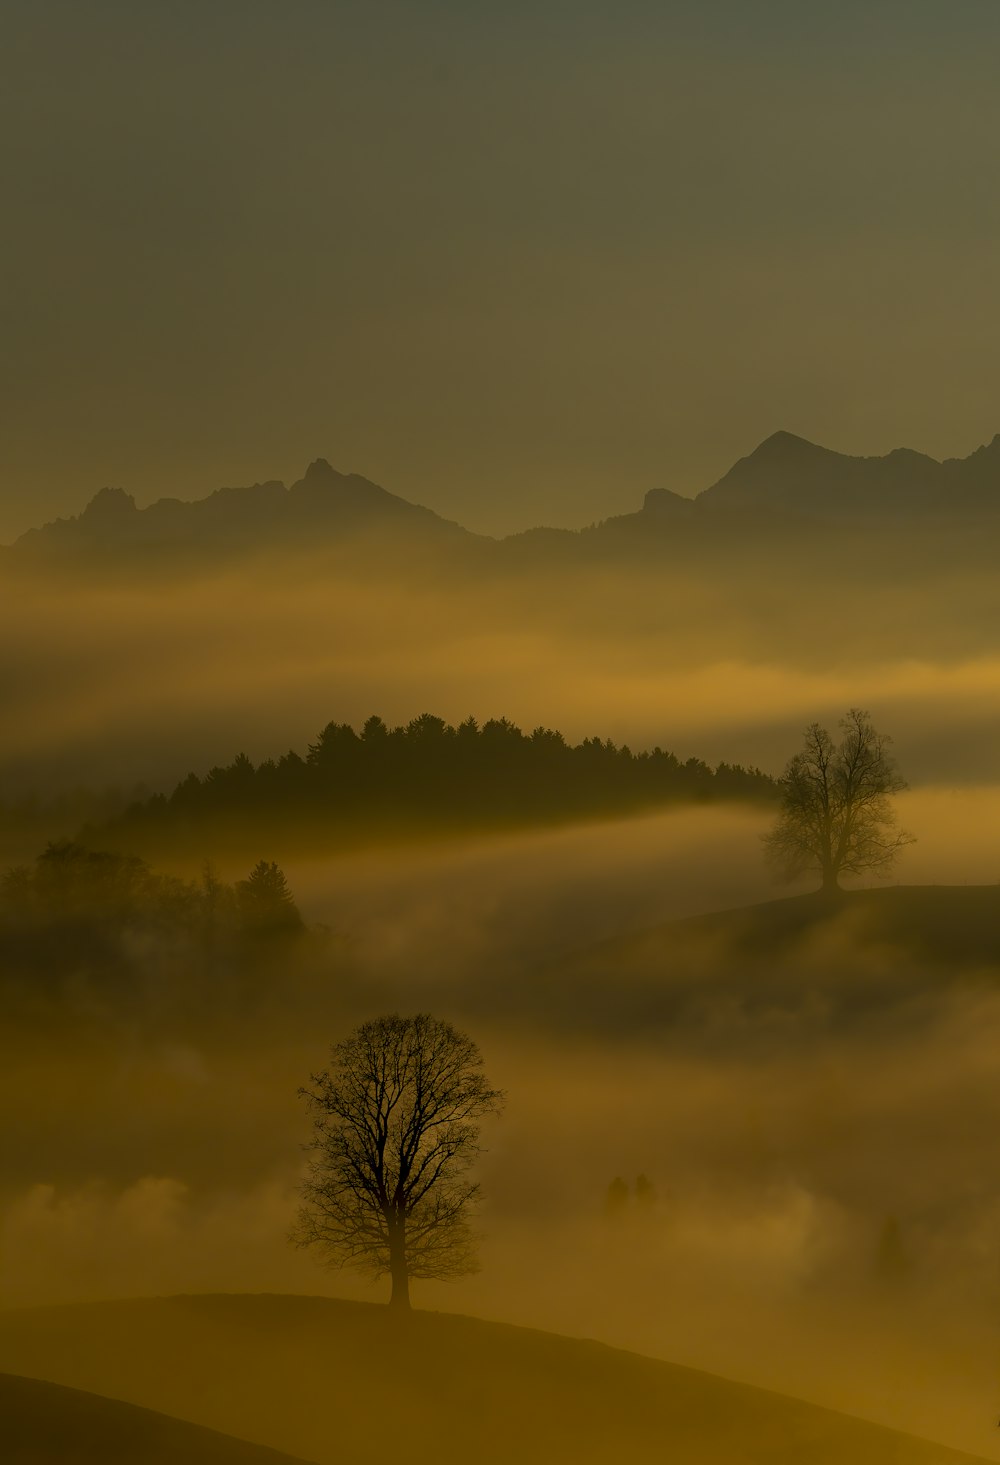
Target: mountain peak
x,y
783,446
781,475
109,504
319,468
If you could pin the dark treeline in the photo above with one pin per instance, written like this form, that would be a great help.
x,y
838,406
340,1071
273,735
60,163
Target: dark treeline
x,y
431,774
93,929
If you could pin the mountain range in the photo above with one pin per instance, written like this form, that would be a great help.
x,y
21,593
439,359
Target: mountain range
x,y
785,486
322,502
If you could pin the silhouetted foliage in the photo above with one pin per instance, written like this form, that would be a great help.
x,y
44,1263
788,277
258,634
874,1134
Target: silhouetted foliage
x,y
645,1192
431,774
395,1133
264,901
835,816
105,927
616,1198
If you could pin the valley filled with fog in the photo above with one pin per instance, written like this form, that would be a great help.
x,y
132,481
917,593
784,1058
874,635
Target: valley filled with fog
x,y
122,678
500,738
765,1150
816,1121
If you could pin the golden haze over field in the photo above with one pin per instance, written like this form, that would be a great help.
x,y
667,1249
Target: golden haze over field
x,y
805,1104
785,1107
665,336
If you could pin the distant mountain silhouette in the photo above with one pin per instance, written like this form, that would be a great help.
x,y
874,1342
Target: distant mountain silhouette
x,y
792,483
321,503
792,476
785,484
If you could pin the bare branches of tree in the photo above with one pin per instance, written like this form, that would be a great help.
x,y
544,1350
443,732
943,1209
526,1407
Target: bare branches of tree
x,y
836,817
396,1122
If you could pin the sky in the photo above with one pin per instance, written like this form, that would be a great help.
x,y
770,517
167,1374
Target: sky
x,y
518,262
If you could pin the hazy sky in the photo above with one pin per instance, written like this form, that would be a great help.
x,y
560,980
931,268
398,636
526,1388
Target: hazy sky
x,y
520,262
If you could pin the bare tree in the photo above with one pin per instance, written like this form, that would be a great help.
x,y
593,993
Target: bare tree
x,y
396,1131
835,816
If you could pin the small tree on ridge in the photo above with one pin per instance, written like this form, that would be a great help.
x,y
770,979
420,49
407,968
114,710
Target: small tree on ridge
x,y
836,818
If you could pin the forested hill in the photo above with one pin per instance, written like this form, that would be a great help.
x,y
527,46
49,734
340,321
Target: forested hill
x,y
429,775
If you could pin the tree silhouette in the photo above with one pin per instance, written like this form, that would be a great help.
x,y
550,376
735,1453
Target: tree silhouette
x,y
835,814
428,773
616,1198
265,902
100,924
645,1192
892,1260
395,1133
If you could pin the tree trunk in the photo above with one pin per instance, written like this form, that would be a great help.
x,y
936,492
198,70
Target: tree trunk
x,y
830,885
399,1298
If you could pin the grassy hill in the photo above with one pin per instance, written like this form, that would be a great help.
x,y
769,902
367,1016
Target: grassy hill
x,y
47,1424
824,959
957,924
342,1382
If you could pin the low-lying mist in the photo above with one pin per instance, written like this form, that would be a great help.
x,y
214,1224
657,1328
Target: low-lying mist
x,y
118,680
816,1118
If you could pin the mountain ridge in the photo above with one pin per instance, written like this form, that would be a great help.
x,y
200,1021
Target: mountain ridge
x,y
786,481
322,499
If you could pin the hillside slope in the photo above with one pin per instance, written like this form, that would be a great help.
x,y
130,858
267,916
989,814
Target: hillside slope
x,y
345,1382
47,1424
823,966
957,924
